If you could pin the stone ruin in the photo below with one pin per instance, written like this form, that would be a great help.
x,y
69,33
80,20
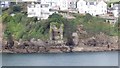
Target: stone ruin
x,y
56,34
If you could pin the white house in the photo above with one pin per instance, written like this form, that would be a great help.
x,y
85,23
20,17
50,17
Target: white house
x,y
41,11
94,8
45,10
63,4
57,4
72,4
29,0
34,10
4,4
116,10
54,4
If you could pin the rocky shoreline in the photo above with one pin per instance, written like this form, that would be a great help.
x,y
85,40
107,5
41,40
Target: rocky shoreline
x,y
57,44
57,51
99,43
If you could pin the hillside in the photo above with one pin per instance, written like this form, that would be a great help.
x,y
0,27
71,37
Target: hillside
x,y
23,34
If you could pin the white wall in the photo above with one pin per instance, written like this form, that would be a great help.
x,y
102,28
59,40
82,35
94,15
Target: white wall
x,y
41,11
5,4
29,0
63,4
97,9
81,6
116,10
34,10
115,13
101,8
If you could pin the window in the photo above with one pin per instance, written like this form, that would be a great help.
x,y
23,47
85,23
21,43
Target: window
x,y
91,3
32,10
105,11
94,10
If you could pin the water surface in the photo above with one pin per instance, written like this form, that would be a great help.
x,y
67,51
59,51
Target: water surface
x,y
66,59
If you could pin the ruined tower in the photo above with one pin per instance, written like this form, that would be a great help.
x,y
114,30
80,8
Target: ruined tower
x,y
56,33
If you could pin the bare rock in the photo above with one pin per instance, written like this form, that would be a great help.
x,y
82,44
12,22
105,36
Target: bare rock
x,y
75,38
77,49
20,51
65,49
39,42
42,50
32,49
55,50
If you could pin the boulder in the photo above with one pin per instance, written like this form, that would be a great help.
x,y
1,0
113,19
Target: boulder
x,y
32,49
75,38
55,50
65,48
39,42
42,50
20,50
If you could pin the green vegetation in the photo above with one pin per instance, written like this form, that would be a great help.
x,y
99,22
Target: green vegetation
x,y
118,26
22,27
95,25
0,19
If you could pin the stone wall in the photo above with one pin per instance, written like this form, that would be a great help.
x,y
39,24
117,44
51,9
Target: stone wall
x,y
56,34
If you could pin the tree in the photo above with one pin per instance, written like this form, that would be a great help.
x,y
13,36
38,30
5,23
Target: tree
x,y
18,17
55,18
6,17
118,26
87,17
16,8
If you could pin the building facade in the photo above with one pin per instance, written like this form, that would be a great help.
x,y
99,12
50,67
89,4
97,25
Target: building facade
x,y
30,0
4,4
34,10
72,4
54,4
42,9
116,10
57,4
39,10
94,8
